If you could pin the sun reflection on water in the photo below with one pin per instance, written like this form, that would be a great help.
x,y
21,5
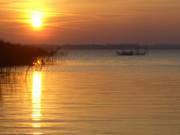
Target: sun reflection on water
x,y
36,98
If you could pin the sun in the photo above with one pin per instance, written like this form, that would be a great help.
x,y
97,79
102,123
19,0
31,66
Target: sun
x,y
37,19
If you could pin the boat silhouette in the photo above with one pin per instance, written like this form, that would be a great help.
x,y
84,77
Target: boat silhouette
x,y
135,52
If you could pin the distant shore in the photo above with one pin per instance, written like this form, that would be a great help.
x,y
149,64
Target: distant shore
x,y
122,46
111,46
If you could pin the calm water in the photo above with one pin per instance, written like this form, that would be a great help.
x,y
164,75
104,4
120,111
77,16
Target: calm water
x,y
94,93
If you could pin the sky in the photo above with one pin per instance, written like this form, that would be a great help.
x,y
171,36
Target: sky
x,y
90,21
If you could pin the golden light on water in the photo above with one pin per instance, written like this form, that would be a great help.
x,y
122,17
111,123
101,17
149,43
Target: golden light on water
x,y
36,97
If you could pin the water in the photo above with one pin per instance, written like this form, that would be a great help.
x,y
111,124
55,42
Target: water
x,y
94,93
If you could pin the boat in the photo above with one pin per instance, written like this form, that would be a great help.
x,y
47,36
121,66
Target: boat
x,y
136,52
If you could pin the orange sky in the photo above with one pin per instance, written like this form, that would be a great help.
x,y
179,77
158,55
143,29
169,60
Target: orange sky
x,y
91,21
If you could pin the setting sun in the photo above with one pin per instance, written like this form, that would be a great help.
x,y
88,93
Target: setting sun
x,y
37,19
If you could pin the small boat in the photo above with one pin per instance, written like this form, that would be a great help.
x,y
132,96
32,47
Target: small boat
x,y
137,52
125,52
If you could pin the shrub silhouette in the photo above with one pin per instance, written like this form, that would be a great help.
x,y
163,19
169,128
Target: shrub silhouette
x,y
17,55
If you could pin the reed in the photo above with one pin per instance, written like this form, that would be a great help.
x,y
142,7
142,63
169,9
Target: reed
x,y
19,55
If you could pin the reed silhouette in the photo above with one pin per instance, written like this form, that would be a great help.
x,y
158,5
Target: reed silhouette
x,y
18,55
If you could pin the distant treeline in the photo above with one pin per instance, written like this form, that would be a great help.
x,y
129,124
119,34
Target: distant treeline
x,y
17,55
122,46
101,46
